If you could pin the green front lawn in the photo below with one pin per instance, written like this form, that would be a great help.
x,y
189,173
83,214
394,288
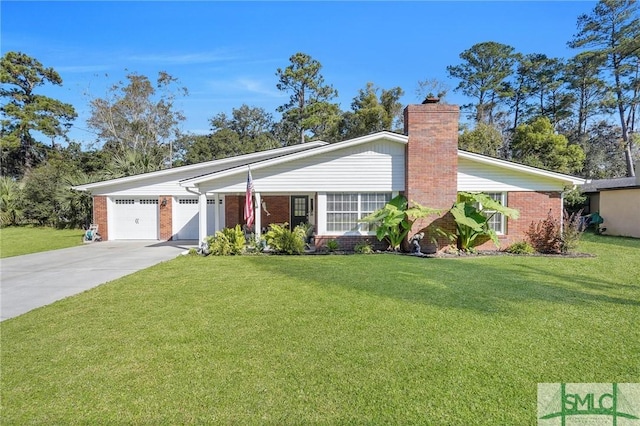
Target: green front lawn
x,y
18,240
360,339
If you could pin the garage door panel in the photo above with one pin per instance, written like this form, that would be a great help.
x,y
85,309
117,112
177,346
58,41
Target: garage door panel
x,y
186,220
211,225
135,219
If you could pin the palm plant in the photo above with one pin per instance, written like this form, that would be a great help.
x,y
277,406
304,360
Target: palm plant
x,y
10,206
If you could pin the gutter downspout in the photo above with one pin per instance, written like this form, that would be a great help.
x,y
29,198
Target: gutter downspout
x,y
562,212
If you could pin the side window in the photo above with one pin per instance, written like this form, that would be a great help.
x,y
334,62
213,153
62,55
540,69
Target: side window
x,y
497,221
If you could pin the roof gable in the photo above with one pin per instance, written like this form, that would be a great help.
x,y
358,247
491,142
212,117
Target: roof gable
x,y
388,136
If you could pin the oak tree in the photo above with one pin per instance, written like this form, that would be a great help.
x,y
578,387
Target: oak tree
x,y
139,117
537,144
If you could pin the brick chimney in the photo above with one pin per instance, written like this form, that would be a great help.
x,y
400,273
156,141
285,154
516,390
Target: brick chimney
x,y
431,160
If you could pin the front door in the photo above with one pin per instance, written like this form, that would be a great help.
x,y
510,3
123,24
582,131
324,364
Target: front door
x,y
299,210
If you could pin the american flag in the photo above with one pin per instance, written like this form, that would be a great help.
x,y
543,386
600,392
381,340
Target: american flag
x,y
248,201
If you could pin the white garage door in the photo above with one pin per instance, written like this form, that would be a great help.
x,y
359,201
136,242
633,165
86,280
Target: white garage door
x,y
186,218
135,219
211,226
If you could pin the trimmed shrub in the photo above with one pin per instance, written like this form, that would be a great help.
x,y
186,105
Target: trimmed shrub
x,y
282,240
229,241
333,245
521,247
363,247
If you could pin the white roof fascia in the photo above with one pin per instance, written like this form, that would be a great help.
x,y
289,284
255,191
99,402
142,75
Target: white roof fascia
x,y
573,180
395,137
246,158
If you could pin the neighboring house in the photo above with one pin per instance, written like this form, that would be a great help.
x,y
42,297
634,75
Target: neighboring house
x,y
618,203
330,186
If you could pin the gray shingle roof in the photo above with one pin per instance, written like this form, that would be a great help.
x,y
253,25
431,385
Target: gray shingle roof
x,y
599,184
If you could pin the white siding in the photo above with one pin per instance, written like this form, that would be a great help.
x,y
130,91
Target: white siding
x,y
153,185
377,166
166,182
476,177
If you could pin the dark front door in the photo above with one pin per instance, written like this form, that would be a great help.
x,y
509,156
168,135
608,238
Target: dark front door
x,y
299,210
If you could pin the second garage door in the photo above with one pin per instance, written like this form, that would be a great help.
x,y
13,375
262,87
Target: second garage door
x,y
186,218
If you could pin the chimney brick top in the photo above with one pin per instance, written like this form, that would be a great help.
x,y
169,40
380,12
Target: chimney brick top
x,y
432,107
419,115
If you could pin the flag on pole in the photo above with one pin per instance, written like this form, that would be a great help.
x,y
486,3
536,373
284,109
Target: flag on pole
x,y
248,201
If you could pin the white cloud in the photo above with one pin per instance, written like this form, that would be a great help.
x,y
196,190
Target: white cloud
x,y
244,85
183,59
256,86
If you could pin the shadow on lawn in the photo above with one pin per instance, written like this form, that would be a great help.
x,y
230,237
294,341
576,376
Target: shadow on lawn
x,y
453,283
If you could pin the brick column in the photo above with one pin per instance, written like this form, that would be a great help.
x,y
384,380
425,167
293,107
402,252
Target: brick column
x,y
166,217
431,160
100,215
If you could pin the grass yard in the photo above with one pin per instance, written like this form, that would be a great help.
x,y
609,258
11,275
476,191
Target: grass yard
x,y
18,240
360,339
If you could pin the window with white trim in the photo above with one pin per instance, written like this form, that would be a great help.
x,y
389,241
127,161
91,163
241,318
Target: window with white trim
x,y
497,221
345,209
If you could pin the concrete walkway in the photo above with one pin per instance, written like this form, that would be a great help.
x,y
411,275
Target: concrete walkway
x,y
35,280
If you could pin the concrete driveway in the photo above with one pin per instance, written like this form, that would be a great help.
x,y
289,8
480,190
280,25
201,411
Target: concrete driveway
x,y
35,280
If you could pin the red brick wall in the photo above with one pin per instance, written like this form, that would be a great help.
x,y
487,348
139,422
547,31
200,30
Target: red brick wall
x,y
278,207
166,218
533,207
348,242
100,215
233,210
431,160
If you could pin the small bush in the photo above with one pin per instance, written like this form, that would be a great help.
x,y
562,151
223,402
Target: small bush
x,y
306,229
521,247
282,240
571,232
229,241
545,236
333,245
363,247
254,244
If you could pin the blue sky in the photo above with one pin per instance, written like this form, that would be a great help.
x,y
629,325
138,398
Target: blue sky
x,y
227,53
